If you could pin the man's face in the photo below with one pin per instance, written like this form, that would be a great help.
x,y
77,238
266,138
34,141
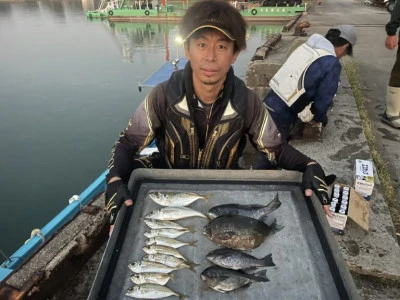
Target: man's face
x,y
341,51
211,54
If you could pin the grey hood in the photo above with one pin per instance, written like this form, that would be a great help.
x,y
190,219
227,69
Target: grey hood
x,y
317,41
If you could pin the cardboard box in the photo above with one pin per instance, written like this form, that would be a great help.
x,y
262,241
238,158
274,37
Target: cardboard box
x,y
364,177
357,211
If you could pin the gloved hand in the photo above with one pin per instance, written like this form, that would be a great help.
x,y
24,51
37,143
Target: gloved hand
x,y
116,194
314,179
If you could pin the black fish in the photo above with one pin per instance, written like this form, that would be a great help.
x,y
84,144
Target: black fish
x,y
255,211
225,280
237,232
236,259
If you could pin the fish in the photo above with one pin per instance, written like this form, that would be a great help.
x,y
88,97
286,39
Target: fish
x,y
177,199
156,278
238,260
174,213
170,261
149,267
167,232
156,249
255,211
151,291
166,241
160,224
237,232
226,280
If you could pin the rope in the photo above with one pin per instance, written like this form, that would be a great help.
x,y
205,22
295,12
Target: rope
x,y
6,257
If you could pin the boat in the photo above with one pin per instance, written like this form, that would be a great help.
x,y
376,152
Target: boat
x,y
121,10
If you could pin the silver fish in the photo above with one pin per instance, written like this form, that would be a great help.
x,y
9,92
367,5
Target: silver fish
x,y
149,267
238,260
170,261
255,211
156,278
167,232
173,213
151,291
166,241
162,224
177,199
225,280
237,232
156,249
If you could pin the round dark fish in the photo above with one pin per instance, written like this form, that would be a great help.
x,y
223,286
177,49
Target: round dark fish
x,y
237,232
255,211
225,280
238,260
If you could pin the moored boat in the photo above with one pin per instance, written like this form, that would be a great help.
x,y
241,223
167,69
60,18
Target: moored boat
x,y
115,10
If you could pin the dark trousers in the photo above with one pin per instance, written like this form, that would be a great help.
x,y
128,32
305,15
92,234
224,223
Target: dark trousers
x,y
394,80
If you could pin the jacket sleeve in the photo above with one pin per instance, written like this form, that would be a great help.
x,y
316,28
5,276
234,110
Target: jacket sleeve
x,y
394,23
134,138
326,85
265,136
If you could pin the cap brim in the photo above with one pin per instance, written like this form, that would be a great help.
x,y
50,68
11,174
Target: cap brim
x,y
225,32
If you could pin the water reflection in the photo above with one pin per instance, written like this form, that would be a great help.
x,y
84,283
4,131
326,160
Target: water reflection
x,y
67,87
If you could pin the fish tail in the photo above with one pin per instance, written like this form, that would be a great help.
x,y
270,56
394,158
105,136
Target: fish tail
x,y
172,277
206,198
192,265
191,229
267,261
260,276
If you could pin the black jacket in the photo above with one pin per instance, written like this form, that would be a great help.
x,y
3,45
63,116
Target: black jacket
x,y
189,139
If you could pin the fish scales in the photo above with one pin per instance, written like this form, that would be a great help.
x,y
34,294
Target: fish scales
x,y
156,278
176,199
166,241
255,211
237,232
238,260
174,213
226,280
151,291
166,232
163,224
150,267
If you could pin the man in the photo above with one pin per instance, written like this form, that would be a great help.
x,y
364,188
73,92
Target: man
x,y
304,87
202,114
392,114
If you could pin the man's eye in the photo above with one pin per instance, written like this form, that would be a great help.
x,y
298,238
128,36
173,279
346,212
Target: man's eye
x,y
202,45
221,47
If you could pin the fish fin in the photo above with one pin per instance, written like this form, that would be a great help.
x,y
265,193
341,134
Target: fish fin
x,y
277,228
192,243
246,285
250,269
191,264
261,276
267,261
191,228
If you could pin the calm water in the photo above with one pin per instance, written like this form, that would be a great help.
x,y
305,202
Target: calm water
x,y
67,88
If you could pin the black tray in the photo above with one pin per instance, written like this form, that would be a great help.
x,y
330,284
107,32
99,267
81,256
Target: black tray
x,y
308,262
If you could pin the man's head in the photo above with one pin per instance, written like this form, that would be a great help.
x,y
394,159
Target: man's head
x,y
218,15
343,38
214,33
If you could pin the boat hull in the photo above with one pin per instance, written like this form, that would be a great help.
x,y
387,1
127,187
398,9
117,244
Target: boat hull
x,y
272,13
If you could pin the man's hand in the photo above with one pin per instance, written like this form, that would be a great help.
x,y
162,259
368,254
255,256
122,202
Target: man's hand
x,y
314,180
391,42
117,193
